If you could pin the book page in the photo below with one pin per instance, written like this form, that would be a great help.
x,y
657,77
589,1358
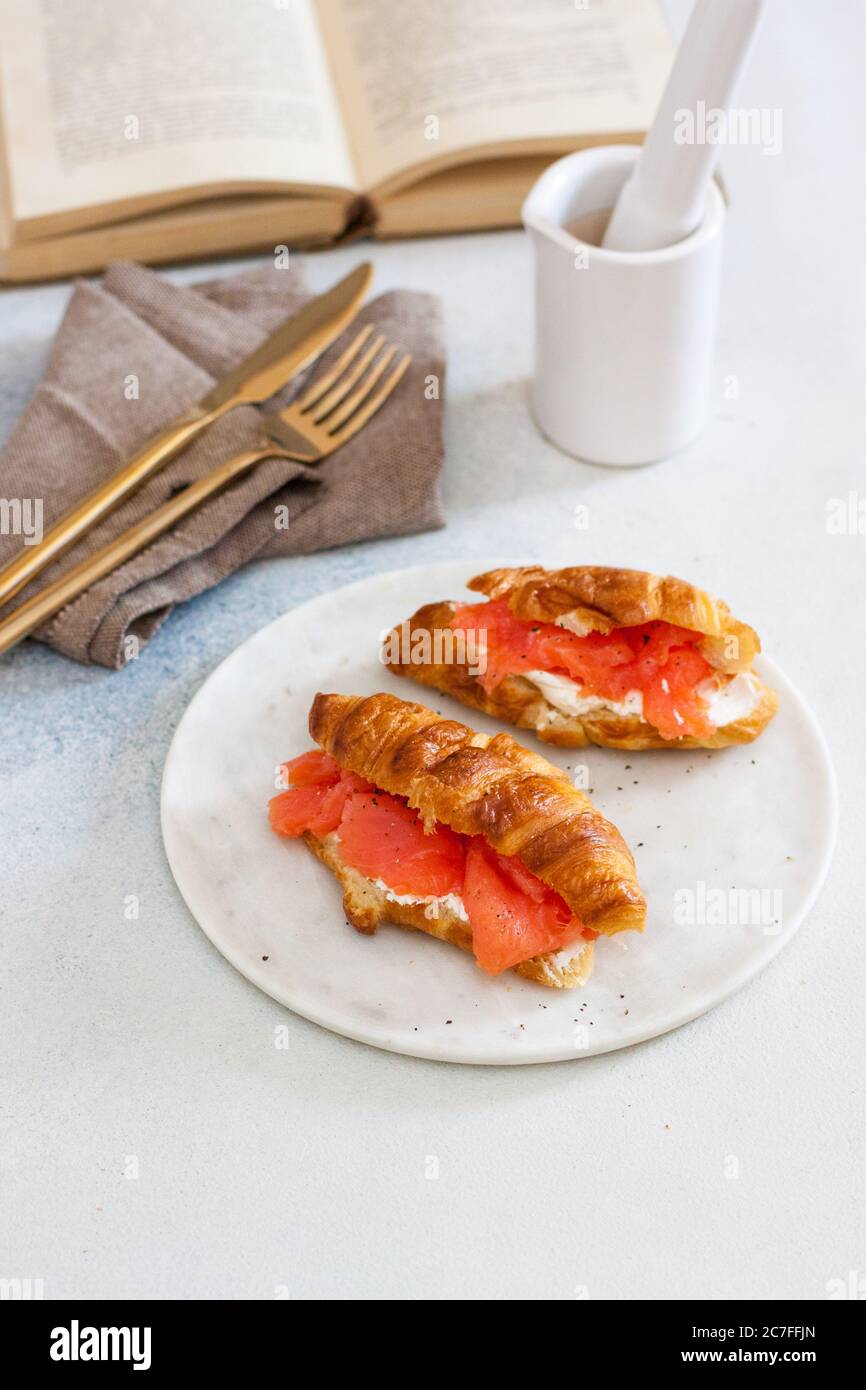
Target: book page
x,y
422,81
106,102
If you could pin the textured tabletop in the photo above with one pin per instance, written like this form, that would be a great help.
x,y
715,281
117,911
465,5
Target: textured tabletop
x,y
154,1139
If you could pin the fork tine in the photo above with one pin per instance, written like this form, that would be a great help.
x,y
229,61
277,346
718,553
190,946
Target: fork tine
x,y
372,403
345,383
322,383
351,403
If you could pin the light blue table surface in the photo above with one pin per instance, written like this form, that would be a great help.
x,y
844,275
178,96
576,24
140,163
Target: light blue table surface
x,y
262,1171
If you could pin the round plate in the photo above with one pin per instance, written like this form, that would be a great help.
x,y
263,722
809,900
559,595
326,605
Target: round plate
x,y
731,850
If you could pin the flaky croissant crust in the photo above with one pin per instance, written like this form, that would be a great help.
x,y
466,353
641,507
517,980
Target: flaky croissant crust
x,y
599,599
494,787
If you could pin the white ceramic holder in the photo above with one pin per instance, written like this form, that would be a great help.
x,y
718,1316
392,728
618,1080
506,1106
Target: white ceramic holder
x,y
624,340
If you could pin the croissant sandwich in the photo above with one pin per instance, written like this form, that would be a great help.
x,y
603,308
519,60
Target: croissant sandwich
x,y
585,655
472,839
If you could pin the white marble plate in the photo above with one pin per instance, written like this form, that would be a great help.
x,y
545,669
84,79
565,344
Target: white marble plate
x,y
760,819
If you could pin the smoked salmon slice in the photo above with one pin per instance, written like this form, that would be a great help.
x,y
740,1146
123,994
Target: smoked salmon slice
x,y
384,839
379,835
512,914
313,769
658,659
316,797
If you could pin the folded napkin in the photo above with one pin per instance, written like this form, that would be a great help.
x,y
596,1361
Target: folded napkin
x,y
132,353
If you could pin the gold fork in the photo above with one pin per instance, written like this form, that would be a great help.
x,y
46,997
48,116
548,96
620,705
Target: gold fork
x,y
323,418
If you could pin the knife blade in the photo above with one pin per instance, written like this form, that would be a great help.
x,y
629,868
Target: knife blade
x,y
290,348
294,345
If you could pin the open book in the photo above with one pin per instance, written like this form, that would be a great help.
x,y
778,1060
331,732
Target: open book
x,y
158,130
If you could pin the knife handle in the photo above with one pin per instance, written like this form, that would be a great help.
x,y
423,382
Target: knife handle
x,y
42,606
32,560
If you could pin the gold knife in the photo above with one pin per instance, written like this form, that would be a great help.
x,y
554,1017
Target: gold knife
x,y
288,350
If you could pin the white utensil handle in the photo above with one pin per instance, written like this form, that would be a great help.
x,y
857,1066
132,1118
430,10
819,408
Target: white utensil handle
x,y
664,199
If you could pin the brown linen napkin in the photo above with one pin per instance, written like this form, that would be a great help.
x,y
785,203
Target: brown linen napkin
x,y
133,352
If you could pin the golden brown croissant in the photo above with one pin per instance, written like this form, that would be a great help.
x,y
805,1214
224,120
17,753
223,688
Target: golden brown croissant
x,y
734,706
489,790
